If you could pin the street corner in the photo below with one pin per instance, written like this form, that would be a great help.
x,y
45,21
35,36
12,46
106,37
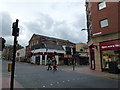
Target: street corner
x,y
112,76
6,83
18,85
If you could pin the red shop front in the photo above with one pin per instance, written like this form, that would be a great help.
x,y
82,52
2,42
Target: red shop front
x,y
92,56
110,55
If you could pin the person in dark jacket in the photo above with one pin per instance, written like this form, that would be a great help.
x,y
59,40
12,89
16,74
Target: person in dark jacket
x,y
49,64
54,64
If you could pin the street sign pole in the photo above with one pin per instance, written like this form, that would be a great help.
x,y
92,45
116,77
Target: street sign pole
x,y
74,52
15,34
73,64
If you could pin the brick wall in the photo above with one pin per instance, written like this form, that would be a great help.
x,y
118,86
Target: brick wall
x,y
110,12
48,40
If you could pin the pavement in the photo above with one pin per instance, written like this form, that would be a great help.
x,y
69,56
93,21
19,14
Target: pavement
x,y
87,70
5,78
6,83
82,70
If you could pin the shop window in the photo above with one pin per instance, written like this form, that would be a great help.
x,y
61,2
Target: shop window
x,y
43,57
103,23
101,5
110,56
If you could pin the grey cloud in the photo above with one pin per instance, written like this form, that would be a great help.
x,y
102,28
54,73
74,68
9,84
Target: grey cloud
x,y
46,20
80,21
64,31
41,24
6,23
45,25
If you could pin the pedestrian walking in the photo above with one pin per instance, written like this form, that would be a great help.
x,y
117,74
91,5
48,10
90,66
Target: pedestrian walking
x,y
49,64
54,64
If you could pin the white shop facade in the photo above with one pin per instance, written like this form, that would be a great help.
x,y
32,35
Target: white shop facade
x,y
40,56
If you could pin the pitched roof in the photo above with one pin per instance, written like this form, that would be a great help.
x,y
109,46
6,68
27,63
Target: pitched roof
x,y
48,46
38,46
50,37
51,46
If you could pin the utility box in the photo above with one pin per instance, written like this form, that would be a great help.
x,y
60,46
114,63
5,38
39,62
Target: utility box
x,y
113,67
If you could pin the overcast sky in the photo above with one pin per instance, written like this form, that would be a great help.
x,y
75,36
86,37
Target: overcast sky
x,y
62,19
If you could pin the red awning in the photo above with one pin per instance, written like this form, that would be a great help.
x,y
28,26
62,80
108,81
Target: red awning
x,y
110,45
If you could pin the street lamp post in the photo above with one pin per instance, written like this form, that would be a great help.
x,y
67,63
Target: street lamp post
x,y
83,29
88,30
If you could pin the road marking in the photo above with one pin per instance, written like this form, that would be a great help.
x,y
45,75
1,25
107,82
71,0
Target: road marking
x,y
43,86
68,80
57,82
63,81
51,84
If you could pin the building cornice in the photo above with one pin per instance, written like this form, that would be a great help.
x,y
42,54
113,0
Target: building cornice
x,y
107,37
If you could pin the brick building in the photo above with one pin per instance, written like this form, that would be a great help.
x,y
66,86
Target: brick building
x,y
20,54
82,51
2,46
8,51
103,26
43,47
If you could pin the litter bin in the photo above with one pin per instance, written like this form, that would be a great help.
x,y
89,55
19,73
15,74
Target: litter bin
x,y
9,67
113,67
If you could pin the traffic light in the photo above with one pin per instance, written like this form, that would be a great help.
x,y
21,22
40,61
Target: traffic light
x,y
74,50
55,53
68,50
3,43
31,54
15,28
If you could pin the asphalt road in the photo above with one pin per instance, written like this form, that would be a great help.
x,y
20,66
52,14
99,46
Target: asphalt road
x,y
36,76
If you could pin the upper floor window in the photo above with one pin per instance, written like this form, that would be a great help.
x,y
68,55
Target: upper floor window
x,y
101,5
104,23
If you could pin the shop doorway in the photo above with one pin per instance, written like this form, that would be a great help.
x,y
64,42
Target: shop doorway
x,y
92,58
37,60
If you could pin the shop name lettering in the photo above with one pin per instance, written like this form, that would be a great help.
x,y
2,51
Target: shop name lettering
x,y
111,46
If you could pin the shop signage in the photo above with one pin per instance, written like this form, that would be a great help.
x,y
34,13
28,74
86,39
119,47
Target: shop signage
x,y
98,33
110,45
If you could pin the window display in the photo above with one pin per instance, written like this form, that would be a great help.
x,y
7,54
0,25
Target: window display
x,y
110,56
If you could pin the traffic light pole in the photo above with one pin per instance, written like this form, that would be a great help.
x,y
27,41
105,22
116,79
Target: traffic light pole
x,y
73,64
15,34
74,52
13,64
